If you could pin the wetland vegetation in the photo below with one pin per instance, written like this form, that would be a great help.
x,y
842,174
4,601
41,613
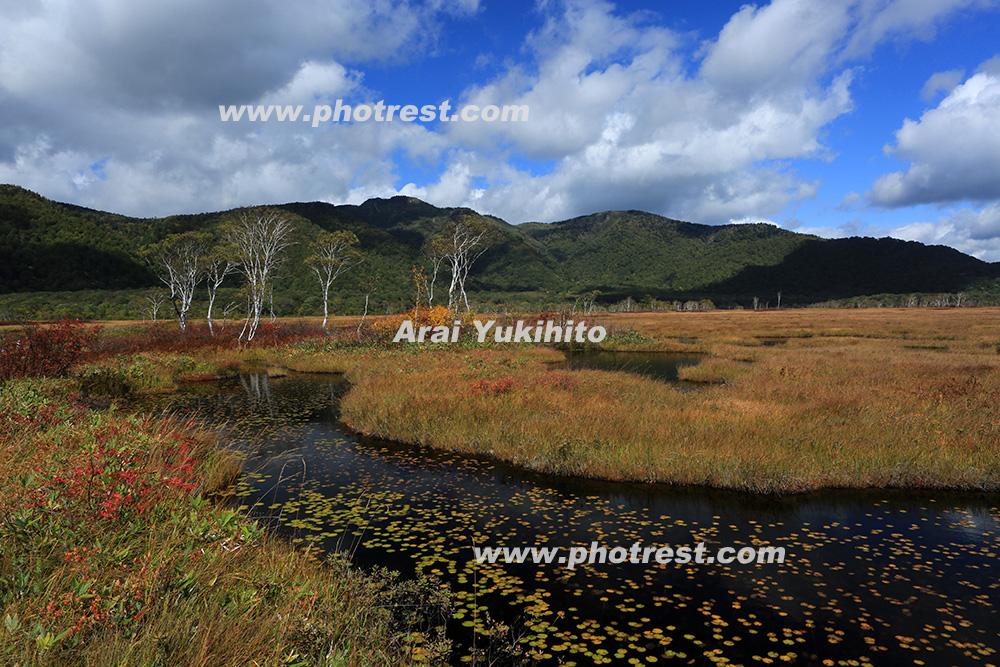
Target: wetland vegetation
x,y
860,566
869,399
498,445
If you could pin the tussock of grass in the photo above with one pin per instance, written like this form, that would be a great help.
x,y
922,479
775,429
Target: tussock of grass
x,y
843,411
976,325
714,371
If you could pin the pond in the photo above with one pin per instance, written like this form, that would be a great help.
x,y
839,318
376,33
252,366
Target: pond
x,y
871,577
658,365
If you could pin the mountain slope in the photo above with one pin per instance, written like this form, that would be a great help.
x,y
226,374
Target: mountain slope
x,y
837,268
50,246
622,250
47,246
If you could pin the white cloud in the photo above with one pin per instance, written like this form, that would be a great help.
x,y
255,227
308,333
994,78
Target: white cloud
x,y
784,44
615,108
790,42
314,82
750,220
136,87
850,201
901,20
975,232
626,127
621,117
953,150
190,53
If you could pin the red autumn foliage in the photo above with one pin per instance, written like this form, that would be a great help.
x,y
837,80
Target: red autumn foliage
x,y
44,351
492,386
109,483
167,338
506,383
555,380
104,482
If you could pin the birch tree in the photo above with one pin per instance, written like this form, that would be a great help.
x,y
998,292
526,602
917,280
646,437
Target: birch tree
x,y
436,249
332,254
259,237
463,241
370,282
179,263
154,300
218,265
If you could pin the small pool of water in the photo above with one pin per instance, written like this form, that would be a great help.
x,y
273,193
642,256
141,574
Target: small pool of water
x,y
870,577
657,365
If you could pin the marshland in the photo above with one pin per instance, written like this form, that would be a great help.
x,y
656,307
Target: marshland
x,y
865,442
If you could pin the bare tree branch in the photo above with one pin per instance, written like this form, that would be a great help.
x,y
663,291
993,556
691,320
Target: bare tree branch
x,y
259,238
333,253
178,262
463,241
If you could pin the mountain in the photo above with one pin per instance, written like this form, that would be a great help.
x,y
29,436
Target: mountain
x,y
626,251
51,247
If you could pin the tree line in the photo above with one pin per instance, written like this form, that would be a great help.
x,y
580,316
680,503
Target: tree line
x,y
252,243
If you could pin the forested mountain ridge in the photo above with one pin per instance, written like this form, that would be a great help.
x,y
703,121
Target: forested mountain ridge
x,y
45,245
618,250
48,246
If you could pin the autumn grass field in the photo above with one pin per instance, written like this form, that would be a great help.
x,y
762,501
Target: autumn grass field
x,y
790,401
114,553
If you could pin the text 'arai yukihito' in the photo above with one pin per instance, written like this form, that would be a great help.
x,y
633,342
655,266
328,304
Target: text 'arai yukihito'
x,y
543,331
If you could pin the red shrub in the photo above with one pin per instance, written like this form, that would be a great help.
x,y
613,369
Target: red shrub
x,y
108,483
44,351
167,338
492,386
556,380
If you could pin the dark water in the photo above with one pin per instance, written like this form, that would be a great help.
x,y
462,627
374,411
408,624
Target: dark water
x,y
659,365
879,578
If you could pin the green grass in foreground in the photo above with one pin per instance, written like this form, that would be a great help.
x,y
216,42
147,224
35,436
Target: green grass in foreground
x,y
110,554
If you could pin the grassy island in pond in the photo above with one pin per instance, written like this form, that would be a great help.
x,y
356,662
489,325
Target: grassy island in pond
x,y
791,401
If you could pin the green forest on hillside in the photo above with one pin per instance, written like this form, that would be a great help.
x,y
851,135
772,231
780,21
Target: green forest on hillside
x,y
60,260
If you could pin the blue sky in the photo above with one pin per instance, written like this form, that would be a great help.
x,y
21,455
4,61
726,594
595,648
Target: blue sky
x,y
859,117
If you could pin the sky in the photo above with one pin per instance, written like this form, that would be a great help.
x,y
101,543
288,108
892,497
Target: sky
x,y
831,117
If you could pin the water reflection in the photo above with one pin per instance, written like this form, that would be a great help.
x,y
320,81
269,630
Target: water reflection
x,y
872,577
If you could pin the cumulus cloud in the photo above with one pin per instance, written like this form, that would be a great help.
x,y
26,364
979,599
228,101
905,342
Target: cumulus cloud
x,y
789,42
953,149
614,108
877,21
975,232
189,53
114,104
784,44
135,88
617,110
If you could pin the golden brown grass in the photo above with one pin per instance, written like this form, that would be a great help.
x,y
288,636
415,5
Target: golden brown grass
x,y
870,398
976,326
